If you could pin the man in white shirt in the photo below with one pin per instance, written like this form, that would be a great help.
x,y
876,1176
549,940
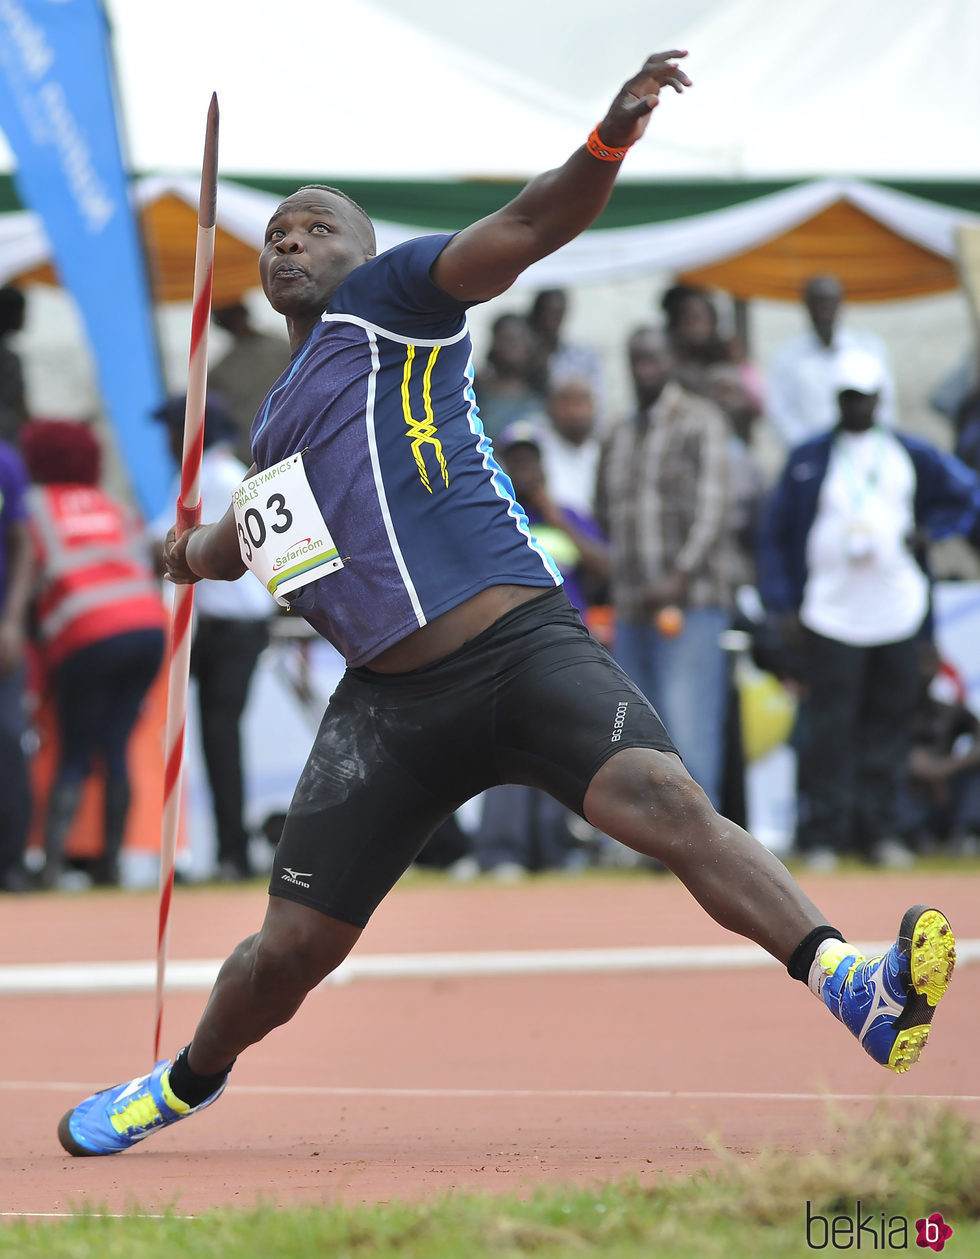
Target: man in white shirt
x,y
801,397
569,447
231,630
836,561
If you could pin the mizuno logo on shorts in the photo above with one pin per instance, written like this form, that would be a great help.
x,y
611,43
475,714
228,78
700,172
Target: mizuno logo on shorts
x,y
299,877
619,721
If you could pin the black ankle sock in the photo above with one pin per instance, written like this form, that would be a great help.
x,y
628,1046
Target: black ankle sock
x,y
191,1087
802,959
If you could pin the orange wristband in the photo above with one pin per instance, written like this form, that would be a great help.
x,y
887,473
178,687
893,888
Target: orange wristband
x,y
602,151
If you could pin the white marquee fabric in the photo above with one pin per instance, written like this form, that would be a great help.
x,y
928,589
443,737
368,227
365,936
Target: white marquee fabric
x,y
497,88
872,89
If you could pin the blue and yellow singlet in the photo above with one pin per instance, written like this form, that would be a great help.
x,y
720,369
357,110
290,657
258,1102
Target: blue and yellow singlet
x,y
380,400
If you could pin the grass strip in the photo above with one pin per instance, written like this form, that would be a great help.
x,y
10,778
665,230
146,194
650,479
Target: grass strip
x,y
886,1172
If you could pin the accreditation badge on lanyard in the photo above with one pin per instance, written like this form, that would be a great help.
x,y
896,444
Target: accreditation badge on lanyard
x,y
282,535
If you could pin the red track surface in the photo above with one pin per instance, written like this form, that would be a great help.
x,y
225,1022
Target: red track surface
x,y
551,1060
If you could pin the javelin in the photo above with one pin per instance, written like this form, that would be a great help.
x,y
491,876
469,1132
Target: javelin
x,y
188,514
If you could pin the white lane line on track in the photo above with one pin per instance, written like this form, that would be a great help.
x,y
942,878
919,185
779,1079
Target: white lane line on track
x,y
87,1214
652,1095
199,975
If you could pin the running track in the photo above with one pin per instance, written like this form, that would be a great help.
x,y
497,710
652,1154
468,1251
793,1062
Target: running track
x,y
473,1045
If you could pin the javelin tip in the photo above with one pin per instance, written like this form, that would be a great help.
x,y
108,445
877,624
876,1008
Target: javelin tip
x,y
208,206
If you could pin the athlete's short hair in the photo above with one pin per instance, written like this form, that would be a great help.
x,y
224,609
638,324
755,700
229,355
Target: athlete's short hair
x,y
365,218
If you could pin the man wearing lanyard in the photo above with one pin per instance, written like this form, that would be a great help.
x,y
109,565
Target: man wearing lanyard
x,y
838,563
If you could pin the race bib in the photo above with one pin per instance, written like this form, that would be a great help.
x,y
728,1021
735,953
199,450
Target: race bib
x,y
282,535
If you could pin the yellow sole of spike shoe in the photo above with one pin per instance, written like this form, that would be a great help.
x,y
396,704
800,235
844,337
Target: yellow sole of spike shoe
x,y
907,1048
933,955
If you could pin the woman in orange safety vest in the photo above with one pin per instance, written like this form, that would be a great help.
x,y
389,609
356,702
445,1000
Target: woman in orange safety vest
x,y
100,628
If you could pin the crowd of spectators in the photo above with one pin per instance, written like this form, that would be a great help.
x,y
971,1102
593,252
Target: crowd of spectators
x,y
670,532
822,560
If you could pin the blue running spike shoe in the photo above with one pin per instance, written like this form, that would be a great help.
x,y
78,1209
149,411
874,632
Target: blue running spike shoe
x,y
118,1117
888,1001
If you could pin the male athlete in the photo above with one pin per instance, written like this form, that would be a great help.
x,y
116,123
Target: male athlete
x,y
380,514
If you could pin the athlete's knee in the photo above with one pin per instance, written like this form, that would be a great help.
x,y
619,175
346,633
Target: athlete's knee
x,y
297,947
642,791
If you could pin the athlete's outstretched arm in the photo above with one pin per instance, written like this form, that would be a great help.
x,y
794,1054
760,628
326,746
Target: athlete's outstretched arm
x,y
485,259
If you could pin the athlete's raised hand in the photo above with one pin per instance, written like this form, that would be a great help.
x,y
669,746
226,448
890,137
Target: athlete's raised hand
x,y
628,115
485,258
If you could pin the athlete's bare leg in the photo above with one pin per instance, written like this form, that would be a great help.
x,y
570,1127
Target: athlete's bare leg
x,y
266,979
647,799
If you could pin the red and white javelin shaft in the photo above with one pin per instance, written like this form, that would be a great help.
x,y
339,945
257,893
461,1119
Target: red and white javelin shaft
x,y
188,514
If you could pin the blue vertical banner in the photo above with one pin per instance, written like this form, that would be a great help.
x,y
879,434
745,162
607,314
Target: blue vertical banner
x,y
58,113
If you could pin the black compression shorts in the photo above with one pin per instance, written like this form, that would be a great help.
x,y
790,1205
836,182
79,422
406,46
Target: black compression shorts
x,y
534,699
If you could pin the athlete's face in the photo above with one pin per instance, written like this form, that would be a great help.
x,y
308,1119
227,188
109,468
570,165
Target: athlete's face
x,y
313,242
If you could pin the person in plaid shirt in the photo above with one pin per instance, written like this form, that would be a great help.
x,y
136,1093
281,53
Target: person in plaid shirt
x,y
663,503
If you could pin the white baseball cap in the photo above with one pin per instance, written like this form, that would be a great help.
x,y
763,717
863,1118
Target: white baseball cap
x,y
859,370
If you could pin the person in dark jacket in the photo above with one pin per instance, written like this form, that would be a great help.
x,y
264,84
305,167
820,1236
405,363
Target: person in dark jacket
x,y
838,565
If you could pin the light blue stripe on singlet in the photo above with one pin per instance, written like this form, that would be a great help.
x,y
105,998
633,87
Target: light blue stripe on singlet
x,y
268,402
500,481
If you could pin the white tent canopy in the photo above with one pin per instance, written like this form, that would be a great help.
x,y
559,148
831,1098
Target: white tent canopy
x,y
882,88
348,88
877,88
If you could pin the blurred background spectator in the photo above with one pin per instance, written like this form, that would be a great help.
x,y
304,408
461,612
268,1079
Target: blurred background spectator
x,y
13,405
838,565
693,331
697,344
246,373
100,629
523,830
663,503
230,633
800,395
951,390
570,535
16,581
724,384
554,356
505,385
568,442
966,430
939,806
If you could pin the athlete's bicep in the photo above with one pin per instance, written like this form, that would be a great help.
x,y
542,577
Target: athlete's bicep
x,y
486,258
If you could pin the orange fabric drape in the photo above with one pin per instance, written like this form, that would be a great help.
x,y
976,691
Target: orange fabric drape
x,y
873,263
170,233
